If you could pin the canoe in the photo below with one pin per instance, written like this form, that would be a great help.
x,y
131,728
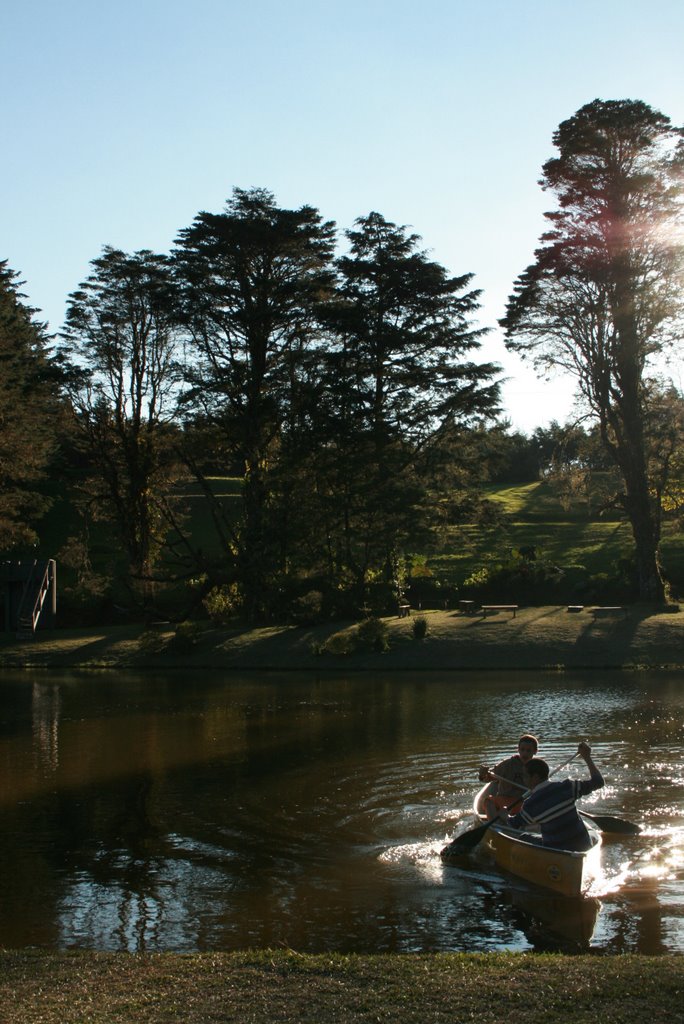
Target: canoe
x,y
567,872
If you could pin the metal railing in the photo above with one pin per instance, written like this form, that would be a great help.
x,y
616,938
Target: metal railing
x,y
33,597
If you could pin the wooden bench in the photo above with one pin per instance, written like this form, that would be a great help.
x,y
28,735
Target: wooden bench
x,y
466,607
608,612
498,608
404,611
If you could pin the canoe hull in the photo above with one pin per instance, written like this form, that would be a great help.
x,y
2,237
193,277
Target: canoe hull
x,y
566,872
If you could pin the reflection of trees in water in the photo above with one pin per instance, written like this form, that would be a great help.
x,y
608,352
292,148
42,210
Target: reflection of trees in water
x,y
45,710
112,845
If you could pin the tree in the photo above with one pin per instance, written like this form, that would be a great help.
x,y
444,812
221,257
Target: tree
x,y
29,411
250,280
120,338
399,380
665,419
603,298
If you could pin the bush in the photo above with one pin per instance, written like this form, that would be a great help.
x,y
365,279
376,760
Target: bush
x,y
187,637
339,644
307,610
374,633
223,603
533,580
420,627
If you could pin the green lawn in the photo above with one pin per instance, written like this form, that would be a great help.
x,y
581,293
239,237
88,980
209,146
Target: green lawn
x,y
534,517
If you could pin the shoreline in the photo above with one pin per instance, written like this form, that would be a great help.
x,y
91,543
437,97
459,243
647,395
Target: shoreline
x,y
548,638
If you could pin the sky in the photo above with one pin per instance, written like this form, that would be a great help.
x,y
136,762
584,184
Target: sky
x,y
122,120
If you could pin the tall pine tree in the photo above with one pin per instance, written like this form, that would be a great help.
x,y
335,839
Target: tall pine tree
x,y
29,410
604,295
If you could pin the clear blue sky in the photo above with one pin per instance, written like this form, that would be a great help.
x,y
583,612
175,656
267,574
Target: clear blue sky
x,y
121,120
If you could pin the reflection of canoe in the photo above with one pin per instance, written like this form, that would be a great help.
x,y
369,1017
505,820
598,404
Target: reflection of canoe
x,y
564,871
555,922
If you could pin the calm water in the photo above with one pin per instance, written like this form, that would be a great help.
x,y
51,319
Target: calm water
x,y
223,812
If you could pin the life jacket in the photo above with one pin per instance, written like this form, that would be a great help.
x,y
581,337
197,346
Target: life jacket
x,y
512,803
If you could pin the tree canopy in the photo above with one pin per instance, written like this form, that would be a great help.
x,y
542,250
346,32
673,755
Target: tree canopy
x,y
250,280
604,295
120,338
29,408
397,378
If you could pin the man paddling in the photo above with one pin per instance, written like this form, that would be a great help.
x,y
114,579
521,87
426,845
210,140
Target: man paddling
x,y
511,769
551,805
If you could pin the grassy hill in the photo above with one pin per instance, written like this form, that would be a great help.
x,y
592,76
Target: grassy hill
x,y
572,537
535,517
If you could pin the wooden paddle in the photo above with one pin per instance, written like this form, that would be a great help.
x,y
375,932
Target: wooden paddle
x,y
467,841
605,822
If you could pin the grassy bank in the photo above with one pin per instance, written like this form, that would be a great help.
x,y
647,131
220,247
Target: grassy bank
x,y
283,986
537,638
571,535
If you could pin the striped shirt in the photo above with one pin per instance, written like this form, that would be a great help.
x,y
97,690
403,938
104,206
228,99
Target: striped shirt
x,y
551,805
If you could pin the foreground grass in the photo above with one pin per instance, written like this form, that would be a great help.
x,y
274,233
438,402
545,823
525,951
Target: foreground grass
x,y
283,986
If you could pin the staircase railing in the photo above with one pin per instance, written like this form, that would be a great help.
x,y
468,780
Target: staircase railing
x,y
33,597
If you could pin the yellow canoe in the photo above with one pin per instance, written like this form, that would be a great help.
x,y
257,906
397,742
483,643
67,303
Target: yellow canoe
x,y
566,872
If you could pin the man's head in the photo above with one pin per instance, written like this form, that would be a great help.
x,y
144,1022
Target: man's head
x,y
527,747
536,771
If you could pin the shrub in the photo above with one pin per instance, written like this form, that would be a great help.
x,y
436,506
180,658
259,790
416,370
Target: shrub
x,y
187,637
223,603
307,610
374,633
339,644
420,627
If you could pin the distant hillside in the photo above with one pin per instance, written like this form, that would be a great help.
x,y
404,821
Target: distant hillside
x,y
567,536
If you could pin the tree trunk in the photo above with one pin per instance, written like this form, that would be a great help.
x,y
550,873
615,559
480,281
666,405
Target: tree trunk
x,y
644,516
646,531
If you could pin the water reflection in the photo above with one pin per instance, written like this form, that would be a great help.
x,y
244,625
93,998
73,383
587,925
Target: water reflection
x,y
554,923
45,707
213,813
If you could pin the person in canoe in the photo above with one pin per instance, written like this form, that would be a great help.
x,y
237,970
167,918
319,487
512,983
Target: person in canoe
x,y
551,805
511,769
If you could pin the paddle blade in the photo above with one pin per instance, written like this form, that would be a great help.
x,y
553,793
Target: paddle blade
x,y
607,823
464,843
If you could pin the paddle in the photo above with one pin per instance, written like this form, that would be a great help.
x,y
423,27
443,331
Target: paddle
x,y
605,822
467,841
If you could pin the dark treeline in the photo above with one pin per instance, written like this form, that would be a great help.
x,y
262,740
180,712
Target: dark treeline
x,y
338,379
342,390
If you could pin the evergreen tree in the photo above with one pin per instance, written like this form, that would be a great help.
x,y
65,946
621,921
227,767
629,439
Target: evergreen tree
x,y
250,279
120,339
604,295
399,379
29,414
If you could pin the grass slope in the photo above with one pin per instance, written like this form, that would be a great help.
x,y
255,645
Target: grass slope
x,y
284,986
537,638
566,536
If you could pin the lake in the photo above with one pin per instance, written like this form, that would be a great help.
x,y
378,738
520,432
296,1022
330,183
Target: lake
x,y
218,811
